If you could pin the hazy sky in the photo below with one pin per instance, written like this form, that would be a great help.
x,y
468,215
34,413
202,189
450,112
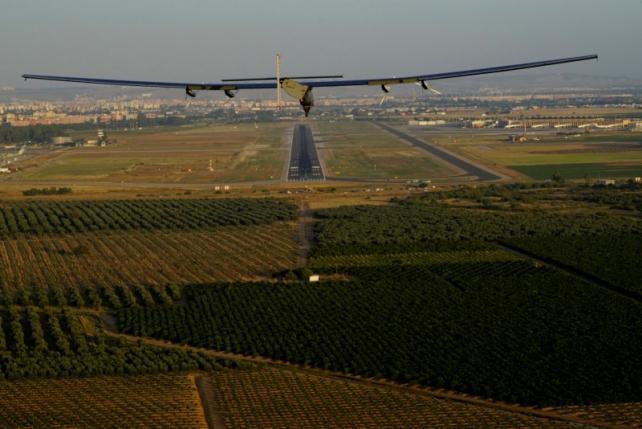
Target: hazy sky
x,y
202,40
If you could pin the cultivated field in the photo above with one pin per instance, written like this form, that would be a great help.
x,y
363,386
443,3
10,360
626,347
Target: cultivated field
x,y
626,415
76,251
169,155
420,276
146,401
52,343
605,155
148,258
527,294
362,150
267,397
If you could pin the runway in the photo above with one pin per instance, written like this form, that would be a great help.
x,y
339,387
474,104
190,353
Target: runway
x,y
470,168
304,159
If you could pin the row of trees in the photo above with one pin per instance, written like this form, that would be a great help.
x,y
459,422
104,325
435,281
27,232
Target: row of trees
x,y
46,191
623,196
43,134
40,217
34,134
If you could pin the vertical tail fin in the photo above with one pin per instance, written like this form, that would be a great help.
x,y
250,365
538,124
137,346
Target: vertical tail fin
x,y
278,81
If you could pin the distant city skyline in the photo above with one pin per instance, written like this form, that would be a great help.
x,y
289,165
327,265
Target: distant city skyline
x,y
205,41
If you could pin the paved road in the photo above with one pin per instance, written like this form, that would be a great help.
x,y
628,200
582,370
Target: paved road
x,y
304,160
306,234
468,167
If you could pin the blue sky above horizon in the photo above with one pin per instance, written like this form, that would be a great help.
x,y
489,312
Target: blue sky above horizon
x,y
200,40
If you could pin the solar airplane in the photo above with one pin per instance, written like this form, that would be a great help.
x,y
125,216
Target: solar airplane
x,y
300,87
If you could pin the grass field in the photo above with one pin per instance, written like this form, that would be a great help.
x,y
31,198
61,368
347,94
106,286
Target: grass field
x,y
275,398
149,401
177,155
612,155
361,150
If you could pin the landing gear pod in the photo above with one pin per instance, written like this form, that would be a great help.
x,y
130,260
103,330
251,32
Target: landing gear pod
x,y
425,85
230,93
301,92
190,92
307,101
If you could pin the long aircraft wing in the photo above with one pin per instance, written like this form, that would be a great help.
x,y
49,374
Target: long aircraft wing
x,y
232,86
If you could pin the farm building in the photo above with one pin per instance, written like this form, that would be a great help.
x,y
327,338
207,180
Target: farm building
x,y
606,182
62,141
518,139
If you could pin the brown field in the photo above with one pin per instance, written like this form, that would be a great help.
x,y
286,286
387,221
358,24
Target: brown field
x,y
627,415
260,398
149,401
169,155
148,258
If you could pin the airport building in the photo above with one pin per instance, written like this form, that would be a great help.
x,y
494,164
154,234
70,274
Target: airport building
x,y
426,123
62,141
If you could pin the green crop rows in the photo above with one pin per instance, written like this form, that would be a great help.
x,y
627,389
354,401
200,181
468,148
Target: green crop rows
x,y
518,337
422,224
433,300
34,343
100,295
43,217
615,259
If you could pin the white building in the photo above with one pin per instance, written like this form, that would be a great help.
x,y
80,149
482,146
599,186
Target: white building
x,y
606,182
62,140
415,123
